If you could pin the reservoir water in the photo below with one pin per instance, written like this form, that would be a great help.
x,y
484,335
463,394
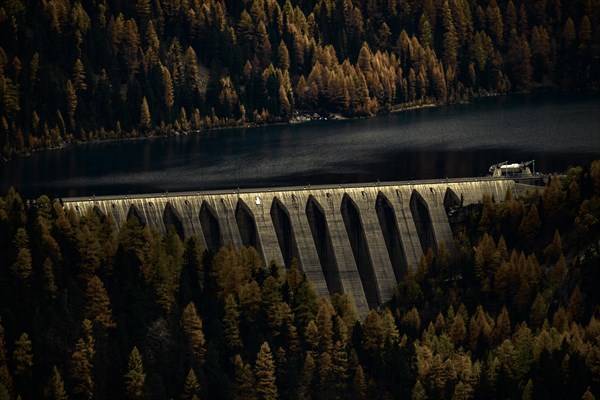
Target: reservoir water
x,y
558,130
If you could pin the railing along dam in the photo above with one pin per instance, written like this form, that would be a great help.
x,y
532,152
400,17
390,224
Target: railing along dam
x,y
355,239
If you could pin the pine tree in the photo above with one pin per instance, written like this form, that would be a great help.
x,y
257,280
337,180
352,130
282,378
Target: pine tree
x,y
458,330
588,395
135,378
262,45
585,30
538,312
502,328
418,392
373,334
340,367
55,389
49,280
569,32
265,374
145,119
79,76
552,196
97,303
22,266
558,273
192,327
359,384
142,7
554,249
531,224
450,37
22,355
283,57
245,388
231,323
191,388
325,324
325,375
168,88
425,33
576,305
307,375
81,363
71,97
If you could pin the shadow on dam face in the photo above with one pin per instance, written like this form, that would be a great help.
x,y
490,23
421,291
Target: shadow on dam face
x,y
135,212
171,218
284,232
422,218
210,227
247,226
391,235
99,213
358,243
322,239
451,200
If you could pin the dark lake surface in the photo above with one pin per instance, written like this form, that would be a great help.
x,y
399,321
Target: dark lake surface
x,y
558,130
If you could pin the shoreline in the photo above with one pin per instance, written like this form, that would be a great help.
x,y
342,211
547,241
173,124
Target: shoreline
x,y
300,117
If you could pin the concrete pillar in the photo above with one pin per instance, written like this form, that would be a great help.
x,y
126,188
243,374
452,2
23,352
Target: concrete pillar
x,y
295,203
152,211
224,207
399,198
434,197
331,202
119,210
190,212
261,209
383,271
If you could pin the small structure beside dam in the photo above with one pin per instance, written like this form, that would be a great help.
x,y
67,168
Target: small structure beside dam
x,y
358,239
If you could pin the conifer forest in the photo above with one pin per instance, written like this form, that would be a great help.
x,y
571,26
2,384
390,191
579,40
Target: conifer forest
x,y
92,311
89,311
86,70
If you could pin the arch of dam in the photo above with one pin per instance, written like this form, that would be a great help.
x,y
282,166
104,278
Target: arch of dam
x,y
359,239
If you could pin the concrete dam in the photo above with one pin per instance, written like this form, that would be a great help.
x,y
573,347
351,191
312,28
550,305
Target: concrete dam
x,y
358,239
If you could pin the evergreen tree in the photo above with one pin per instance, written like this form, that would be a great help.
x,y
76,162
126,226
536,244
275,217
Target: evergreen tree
x,y
22,355
450,37
135,378
531,224
192,327
145,119
191,388
244,379
55,389
538,311
231,323
71,96
418,392
22,267
359,384
265,374
97,303
49,279
81,363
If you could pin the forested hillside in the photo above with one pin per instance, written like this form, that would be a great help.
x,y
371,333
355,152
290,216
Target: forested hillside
x,y
94,69
87,311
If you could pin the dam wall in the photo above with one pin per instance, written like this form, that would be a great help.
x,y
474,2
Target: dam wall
x,y
354,239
